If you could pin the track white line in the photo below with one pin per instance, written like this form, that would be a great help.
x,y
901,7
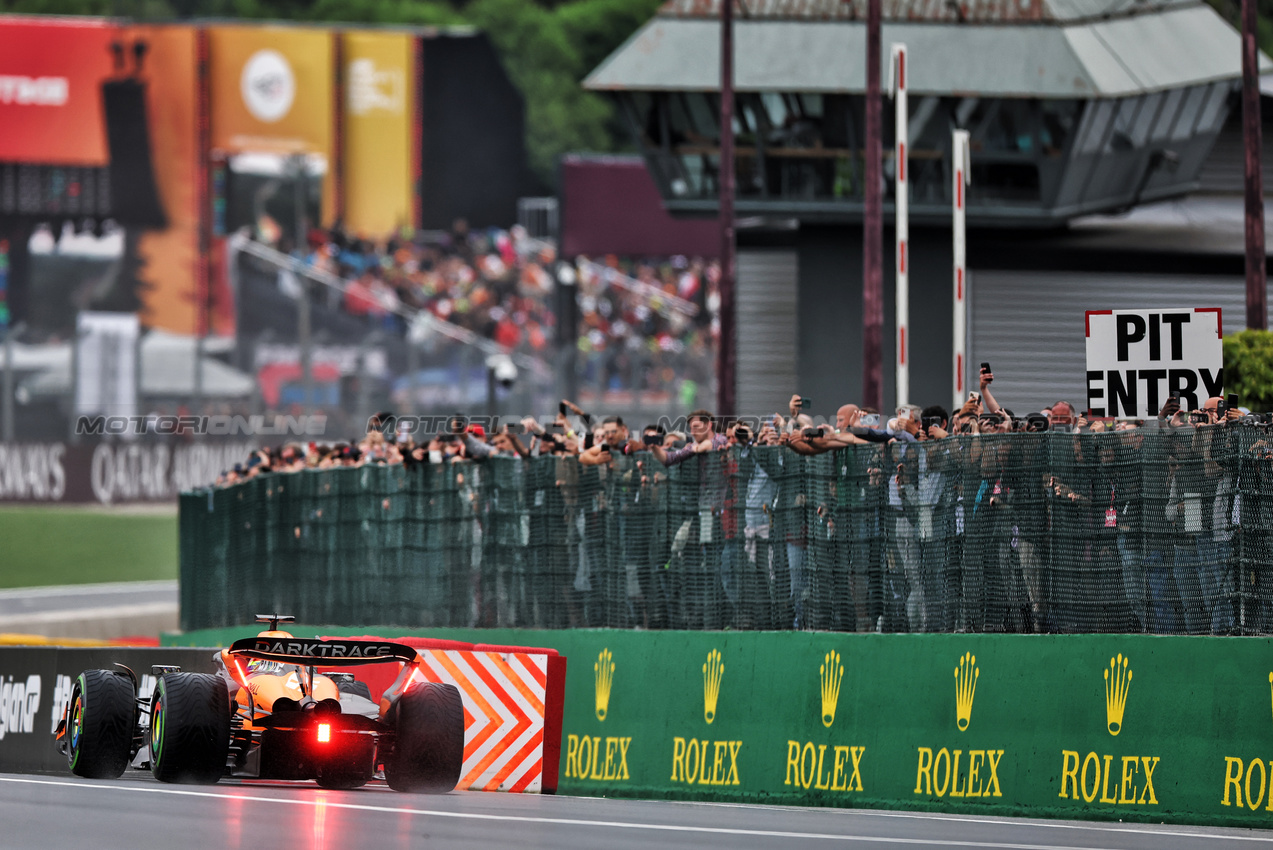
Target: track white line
x,y
145,609
990,821
125,587
711,830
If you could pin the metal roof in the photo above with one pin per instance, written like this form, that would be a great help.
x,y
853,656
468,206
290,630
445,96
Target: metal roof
x,y
976,11
1173,45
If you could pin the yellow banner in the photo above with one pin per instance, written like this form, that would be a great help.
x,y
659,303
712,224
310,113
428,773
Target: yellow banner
x,y
272,91
380,90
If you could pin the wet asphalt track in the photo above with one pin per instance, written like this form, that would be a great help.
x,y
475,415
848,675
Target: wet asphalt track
x,y
56,812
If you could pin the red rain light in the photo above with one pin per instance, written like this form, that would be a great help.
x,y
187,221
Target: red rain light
x,y
324,732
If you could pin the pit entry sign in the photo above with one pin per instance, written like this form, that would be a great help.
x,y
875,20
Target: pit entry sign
x,y
1137,358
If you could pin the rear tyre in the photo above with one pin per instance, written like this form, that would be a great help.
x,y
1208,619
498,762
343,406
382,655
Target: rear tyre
x,y
429,749
100,724
356,688
189,728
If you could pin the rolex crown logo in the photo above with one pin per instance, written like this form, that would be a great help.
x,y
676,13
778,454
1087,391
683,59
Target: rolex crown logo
x,y
965,689
713,670
831,671
1118,680
603,671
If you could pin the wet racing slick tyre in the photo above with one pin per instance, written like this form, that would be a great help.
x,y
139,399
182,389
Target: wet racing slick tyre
x,y
428,751
189,728
100,724
360,689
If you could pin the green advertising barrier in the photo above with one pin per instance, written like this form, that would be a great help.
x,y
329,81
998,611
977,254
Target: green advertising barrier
x,y
1137,728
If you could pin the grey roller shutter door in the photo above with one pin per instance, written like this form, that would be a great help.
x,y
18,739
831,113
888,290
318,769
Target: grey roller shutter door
x,y
1029,325
766,322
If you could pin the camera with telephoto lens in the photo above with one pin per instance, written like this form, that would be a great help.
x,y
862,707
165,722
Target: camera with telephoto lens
x,y
742,435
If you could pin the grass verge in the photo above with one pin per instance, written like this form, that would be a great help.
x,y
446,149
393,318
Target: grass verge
x,y
47,546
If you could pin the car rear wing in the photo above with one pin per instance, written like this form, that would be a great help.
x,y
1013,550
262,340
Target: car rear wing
x,y
330,652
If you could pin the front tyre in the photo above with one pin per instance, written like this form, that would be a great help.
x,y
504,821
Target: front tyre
x,y
428,751
101,721
189,728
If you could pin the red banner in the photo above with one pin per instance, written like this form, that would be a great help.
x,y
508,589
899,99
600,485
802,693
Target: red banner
x,y
51,72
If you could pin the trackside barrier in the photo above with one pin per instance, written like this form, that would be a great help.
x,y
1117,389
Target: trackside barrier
x,y
1106,727
512,708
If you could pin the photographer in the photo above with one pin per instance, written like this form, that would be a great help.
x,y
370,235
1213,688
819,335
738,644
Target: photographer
x,y
614,441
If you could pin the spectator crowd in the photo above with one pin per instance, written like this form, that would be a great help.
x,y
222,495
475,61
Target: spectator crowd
x,y
976,521
500,285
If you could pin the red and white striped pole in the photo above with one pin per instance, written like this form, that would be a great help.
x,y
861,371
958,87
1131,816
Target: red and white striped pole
x,y
897,87
959,194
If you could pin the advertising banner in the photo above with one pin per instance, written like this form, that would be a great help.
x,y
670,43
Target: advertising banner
x,y
1137,358
169,257
380,91
271,89
35,684
111,473
1078,726
51,73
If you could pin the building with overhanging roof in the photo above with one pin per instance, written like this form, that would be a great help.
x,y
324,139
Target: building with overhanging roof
x,y
1074,106
1076,109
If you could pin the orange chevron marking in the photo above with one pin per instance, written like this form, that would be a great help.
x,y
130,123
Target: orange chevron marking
x,y
516,761
512,675
472,745
497,718
520,719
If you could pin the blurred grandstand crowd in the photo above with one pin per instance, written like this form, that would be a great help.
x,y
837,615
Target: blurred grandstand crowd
x,y
500,285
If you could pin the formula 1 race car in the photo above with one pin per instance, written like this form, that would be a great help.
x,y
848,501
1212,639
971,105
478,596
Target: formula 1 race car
x,y
268,714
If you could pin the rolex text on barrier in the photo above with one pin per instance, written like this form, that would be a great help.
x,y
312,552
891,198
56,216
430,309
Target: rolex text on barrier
x,y
1080,726
1136,359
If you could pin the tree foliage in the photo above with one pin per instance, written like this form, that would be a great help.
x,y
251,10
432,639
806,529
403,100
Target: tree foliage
x,y
547,47
1248,368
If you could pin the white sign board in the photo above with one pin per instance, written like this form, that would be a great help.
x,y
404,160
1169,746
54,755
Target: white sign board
x,y
1137,358
106,364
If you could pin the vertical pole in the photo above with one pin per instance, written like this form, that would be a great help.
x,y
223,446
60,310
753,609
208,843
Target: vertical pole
x,y
8,384
872,225
304,334
959,196
726,355
897,84
72,405
1256,295
413,367
203,198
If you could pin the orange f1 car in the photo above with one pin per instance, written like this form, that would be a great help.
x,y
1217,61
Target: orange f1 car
x,y
267,713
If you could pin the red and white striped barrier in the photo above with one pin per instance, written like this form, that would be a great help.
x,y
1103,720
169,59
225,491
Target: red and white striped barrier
x,y
513,703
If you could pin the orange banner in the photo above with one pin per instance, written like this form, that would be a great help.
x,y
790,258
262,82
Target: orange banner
x,y
51,72
271,89
169,257
380,93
